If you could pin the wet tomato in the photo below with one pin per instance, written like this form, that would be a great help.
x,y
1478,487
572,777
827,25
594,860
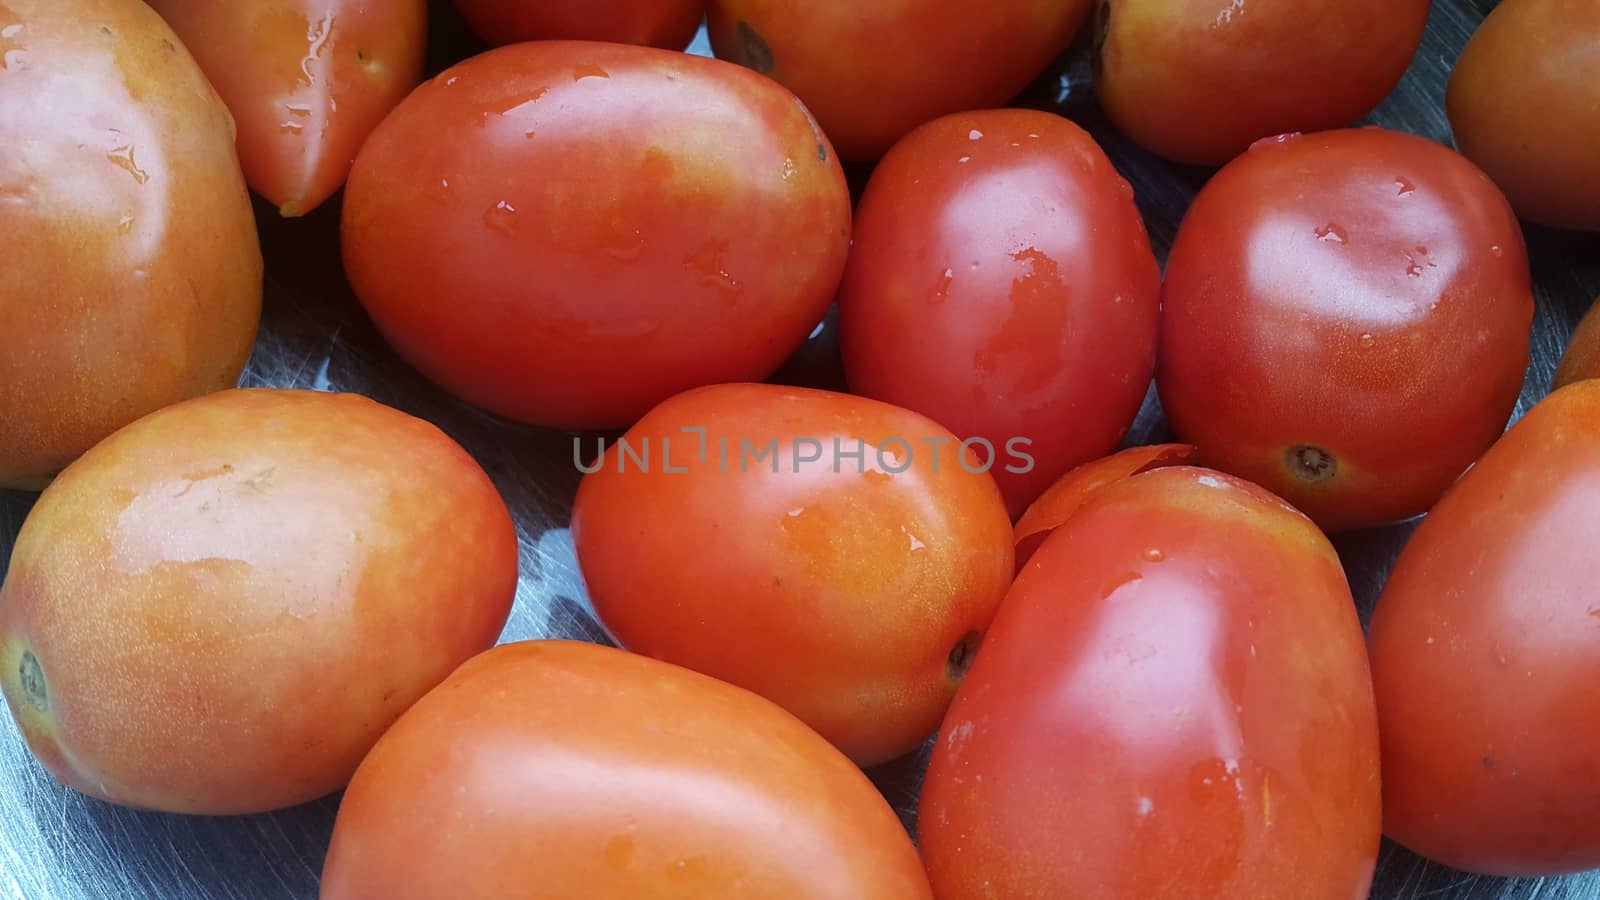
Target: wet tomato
x,y
567,233
874,71
1001,282
133,275
1173,704
1058,504
306,81
837,555
1198,82
668,24
584,771
1485,652
1582,359
220,608
1347,320
1522,103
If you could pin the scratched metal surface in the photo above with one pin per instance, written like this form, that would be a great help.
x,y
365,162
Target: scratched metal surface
x,y
57,845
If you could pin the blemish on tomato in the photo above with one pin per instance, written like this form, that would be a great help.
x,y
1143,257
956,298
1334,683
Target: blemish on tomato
x,y
31,676
1311,464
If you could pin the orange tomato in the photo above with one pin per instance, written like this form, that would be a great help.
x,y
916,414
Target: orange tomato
x,y
558,769
221,607
1582,359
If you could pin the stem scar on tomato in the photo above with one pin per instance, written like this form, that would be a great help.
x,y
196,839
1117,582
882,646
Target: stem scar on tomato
x,y
31,676
1311,464
962,655
753,50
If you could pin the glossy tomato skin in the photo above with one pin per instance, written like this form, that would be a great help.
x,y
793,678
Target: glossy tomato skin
x,y
306,81
1484,655
134,274
1346,322
1173,702
1198,82
872,72
668,24
220,608
849,593
1581,361
1002,283
589,772
567,233
1522,102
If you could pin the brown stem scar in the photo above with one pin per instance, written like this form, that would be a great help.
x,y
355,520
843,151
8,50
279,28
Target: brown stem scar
x,y
1311,464
31,675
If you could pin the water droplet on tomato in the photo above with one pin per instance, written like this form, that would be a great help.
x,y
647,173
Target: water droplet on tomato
x,y
1333,233
502,217
1154,555
1368,341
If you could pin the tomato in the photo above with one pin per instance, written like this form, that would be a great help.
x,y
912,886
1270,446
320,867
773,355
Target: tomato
x,y
574,770
1173,702
1032,322
133,278
567,233
1522,103
1058,504
1198,82
837,555
874,71
1484,653
306,80
1582,359
1347,321
668,24
220,608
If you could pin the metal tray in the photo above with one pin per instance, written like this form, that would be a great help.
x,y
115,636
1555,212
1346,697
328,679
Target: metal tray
x,y
58,845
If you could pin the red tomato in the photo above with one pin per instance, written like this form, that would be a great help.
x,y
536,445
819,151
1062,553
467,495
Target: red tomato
x,y
1347,319
874,71
1001,283
1173,704
1485,654
573,770
1198,82
1058,504
1523,104
1582,359
132,272
220,608
837,555
566,234
306,80
668,24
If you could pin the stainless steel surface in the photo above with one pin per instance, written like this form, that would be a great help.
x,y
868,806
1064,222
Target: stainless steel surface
x,y
58,845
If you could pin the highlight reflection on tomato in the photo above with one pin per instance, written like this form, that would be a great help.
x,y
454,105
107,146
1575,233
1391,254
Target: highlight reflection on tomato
x,y
1347,321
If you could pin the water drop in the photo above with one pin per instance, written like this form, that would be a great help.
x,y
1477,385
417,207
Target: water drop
x,y
974,135
451,81
1496,250
1405,187
122,158
789,168
589,71
502,217
1334,233
964,160
1368,341
529,134
941,290
125,225
1154,555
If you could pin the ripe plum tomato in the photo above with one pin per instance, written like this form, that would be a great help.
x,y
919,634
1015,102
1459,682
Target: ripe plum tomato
x,y
1198,81
574,770
668,24
132,274
306,81
219,608
874,71
1002,283
1582,359
1524,103
837,555
1347,320
1058,504
567,233
1173,703
1485,653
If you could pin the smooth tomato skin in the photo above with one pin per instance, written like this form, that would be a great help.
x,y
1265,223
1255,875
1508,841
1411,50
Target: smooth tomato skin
x,y
1173,702
1484,654
567,233
133,278
872,72
1581,361
668,24
1061,502
1199,82
1346,321
1522,102
228,601
998,318
576,770
848,594
306,80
